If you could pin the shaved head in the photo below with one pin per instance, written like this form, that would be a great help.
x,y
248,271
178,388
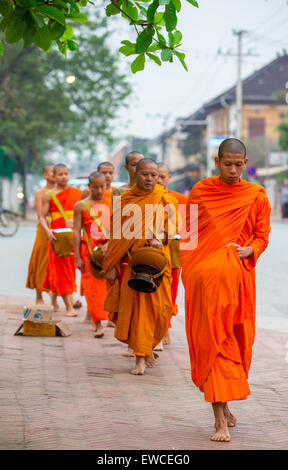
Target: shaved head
x,y
132,154
105,164
96,175
145,161
59,166
234,146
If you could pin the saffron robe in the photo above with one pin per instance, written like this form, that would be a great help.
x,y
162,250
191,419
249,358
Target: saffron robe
x,y
220,287
61,272
38,261
93,289
141,317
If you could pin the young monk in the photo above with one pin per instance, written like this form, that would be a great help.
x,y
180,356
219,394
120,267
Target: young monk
x,y
107,168
164,178
61,272
141,317
131,160
94,289
219,280
39,256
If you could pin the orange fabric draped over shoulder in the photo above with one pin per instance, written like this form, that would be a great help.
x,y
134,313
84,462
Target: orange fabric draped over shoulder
x,y
38,261
141,317
94,289
220,287
61,272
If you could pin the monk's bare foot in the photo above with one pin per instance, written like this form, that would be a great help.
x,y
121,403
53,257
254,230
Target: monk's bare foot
x,y
55,307
140,366
110,324
221,426
71,313
99,331
159,347
151,360
167,339
87,318
231,419
77,304
129,353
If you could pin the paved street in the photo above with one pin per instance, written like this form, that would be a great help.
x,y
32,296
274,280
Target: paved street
x,y
76,392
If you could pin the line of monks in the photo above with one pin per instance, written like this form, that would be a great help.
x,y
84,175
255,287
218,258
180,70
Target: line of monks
x,y
231,226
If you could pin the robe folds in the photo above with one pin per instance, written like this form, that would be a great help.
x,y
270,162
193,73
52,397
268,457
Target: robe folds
x,y
141,317
220,295
93,289
38,261
61,272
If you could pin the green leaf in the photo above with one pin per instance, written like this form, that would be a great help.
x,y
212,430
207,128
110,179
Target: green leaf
x,y
127,50
7,20
152,10
1,48
166,55
72,45
144,40
159,18
51,12
42,38
194,3
68,33
6,7
155,58
129,10
56,29
76,16
181,57
28,35
113,9
138,64
83,3
177,4
154,47
38,18
170,17
128,43
161,39
14,32
164,2
177,37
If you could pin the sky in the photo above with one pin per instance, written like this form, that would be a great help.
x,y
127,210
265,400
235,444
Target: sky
x,y
163,94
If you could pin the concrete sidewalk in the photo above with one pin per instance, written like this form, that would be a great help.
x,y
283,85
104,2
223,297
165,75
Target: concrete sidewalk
x,y
76,393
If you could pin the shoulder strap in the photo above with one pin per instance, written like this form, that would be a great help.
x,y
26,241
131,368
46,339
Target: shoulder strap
x,y
87,241
58,205
97,220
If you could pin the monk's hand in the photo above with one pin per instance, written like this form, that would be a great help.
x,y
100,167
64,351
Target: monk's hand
x,y
156,243
79,264
69,223
243,251
111,275
50,235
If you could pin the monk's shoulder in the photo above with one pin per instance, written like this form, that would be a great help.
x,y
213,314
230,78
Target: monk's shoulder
x,y
75,191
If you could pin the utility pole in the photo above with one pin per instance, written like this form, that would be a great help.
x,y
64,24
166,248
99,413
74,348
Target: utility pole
x,y
239,93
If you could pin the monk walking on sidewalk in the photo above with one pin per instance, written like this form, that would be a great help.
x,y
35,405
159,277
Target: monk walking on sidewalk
x,y
219,280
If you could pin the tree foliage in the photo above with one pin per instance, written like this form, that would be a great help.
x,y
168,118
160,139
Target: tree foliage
x,y
45,22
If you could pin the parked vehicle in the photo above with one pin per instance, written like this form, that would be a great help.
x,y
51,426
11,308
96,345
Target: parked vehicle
x,y
9,222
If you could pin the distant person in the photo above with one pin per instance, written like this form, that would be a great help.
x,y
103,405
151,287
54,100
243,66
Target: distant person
x,y
39,256
141,318
131,160
61,273
219,281
163,179
284,200
86,216
108,169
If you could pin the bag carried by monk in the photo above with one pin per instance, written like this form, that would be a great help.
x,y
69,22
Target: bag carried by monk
x,y
63,245
96,254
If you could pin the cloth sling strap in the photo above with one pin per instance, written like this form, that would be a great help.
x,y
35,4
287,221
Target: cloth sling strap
x,y
59,206
98,222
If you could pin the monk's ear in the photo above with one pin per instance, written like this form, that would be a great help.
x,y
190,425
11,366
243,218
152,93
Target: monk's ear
x,y
245,161
217,161
170,176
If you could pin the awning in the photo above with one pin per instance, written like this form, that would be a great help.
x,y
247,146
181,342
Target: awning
x,y
271,171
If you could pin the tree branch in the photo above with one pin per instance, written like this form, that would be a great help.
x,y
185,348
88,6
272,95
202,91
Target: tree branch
x,y
15,62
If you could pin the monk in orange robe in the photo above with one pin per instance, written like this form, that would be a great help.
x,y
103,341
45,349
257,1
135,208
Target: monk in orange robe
x,y
219,279
61,272
94,289
181,201
39,256
141,317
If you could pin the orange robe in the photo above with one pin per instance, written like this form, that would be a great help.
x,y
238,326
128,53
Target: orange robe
x,y
141,317
93,289
220,287
38,261
182,200
61,272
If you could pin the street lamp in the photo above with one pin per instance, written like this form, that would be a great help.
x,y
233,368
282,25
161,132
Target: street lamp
x,y
70,79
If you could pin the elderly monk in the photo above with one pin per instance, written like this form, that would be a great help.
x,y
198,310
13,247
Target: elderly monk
x,y
39,256
181,200
61,273
219,280
93,214
141,317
